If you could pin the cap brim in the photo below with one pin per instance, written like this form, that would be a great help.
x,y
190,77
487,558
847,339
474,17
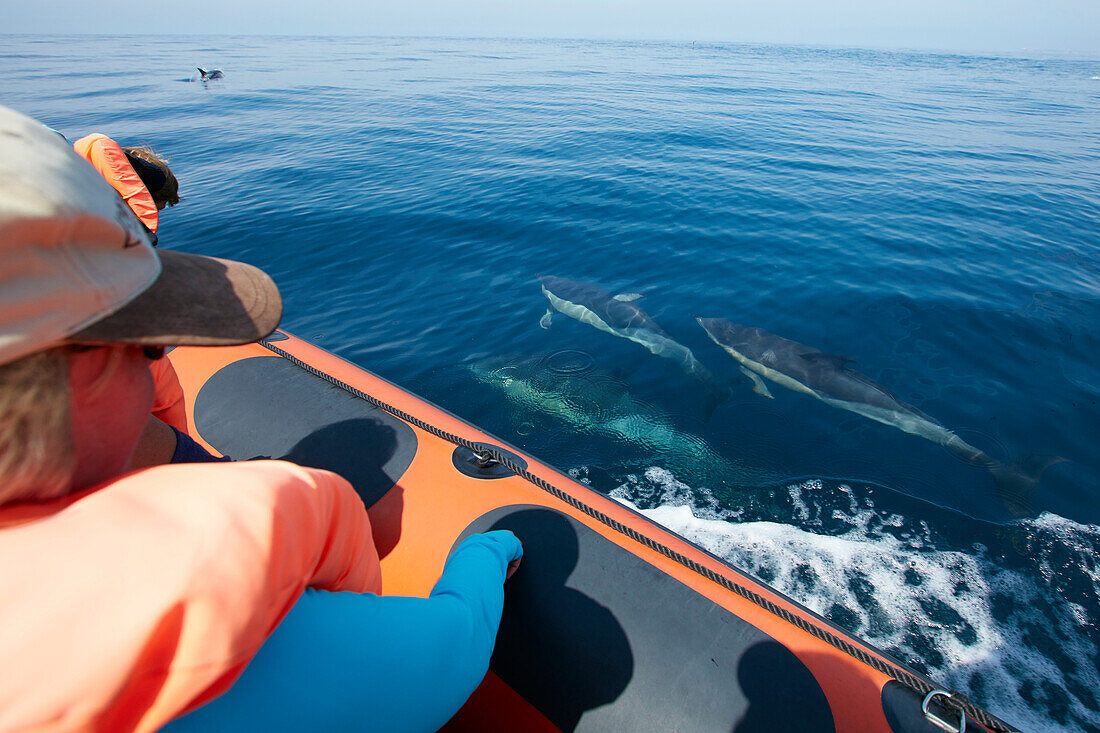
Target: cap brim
x,y
196,301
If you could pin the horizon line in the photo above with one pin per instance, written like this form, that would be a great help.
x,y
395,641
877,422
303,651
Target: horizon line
x,y
1077,54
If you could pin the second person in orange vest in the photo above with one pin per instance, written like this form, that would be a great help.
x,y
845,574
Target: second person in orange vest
x,y
141,177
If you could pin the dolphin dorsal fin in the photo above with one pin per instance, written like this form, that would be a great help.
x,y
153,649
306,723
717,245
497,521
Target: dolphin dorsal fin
x,y
817,357
628,297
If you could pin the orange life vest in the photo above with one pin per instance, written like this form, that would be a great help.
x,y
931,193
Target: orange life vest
x,y
168,399
131,603
109,159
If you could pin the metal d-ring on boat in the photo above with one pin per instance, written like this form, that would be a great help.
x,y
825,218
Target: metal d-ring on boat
x,y
946,725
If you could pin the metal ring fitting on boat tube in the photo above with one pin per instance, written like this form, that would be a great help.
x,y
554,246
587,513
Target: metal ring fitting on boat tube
x,y
937,720
481,463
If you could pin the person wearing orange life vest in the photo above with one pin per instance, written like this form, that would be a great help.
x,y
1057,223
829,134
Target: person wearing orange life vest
x,y
141,177
129,599
146,183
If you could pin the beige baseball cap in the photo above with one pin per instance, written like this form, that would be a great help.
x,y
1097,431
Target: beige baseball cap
x,y
76,265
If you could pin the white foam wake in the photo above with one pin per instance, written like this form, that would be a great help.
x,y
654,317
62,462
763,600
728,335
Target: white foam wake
x,y
1004,636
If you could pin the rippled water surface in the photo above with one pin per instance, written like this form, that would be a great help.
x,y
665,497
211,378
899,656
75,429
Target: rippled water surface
x,y
933,217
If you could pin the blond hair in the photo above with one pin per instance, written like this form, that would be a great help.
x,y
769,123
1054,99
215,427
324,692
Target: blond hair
x,y
37,459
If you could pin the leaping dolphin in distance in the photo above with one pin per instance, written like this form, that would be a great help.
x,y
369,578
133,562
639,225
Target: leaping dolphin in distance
x,y
211,74
828,378
618,316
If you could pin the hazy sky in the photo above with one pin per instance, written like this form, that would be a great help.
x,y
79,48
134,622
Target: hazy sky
x,y
1068,26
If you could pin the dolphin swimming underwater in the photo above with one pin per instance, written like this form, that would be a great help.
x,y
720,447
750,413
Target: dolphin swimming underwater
x,y
828,378
596,403
618,316
210,75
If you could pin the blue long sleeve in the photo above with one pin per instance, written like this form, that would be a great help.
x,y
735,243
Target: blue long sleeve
x,y
386,663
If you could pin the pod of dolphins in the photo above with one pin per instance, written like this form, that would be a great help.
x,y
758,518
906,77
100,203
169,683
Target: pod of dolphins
x,y
765,356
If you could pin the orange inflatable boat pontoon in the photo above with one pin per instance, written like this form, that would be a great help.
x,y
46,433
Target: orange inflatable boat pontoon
x,y
612,623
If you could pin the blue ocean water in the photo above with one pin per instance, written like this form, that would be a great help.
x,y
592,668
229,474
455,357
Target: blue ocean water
x,y
932,216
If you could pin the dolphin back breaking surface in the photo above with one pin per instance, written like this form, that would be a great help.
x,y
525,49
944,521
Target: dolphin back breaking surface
x,y
828,378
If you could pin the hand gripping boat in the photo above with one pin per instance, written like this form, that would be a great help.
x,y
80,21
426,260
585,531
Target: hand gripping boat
x,y
612,623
